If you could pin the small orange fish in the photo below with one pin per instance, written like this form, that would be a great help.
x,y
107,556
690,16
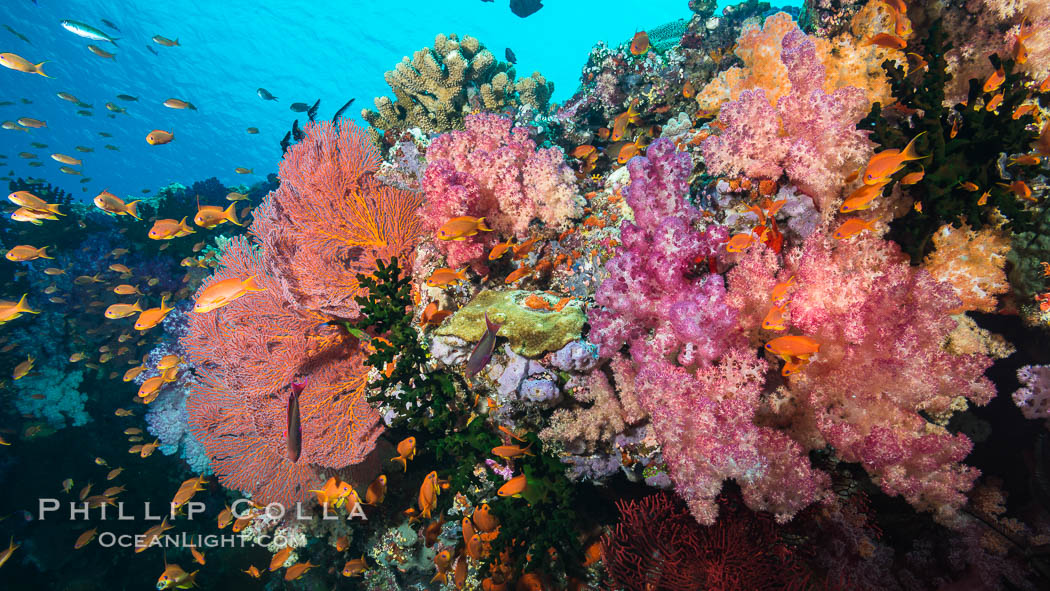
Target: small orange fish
x,y
209,216
1026,160
955,129
198,557
461,228
222,293
888,162
432,316
514,486
582,151
376,491
159,137
174,103
21,64
85,538
688,91
253,572
522,250
152,316
968,186
852,227
639,43
1020,189
994,103
864,197
983,199
117,311
1046,269
483,518
1024,110
917,206
24,253
740,242
518,274
886,40
168,229
511,451
297,570
775,319
355,567
913,177
799,346
406,450
994,81
110,203
445,277
279,558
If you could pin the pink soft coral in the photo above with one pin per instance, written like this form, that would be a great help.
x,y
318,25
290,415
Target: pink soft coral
x,y
493,170
811,136
654,300
705,424
881,325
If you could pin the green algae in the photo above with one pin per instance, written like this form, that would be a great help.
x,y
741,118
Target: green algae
x,y
531,333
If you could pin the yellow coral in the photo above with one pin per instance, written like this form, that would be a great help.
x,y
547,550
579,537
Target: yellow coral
x,y
972,262
847,59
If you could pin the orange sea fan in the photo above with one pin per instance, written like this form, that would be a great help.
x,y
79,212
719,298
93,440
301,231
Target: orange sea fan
x,y
331,219
246,355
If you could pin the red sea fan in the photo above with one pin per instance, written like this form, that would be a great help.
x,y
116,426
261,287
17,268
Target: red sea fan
x,y
658,546
330,219
246,355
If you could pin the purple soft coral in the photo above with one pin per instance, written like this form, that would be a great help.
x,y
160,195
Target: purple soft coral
x,y
652,300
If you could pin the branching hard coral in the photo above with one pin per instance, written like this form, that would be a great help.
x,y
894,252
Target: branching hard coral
x,y
654,300
330,219
881,325
433,90
972,262
705,423
965,144
493,170
246,354
810,135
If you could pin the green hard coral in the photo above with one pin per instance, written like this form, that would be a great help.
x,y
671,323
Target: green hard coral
x,y
978,153
530,332
422,399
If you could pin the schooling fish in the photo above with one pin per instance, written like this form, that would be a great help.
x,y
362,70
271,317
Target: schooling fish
x,y
482,352
160,40
510,56
159,137
126,97
299,107
17,34
311,113
21,64
95,49
297,134
294,441
341,109
265,95
87,31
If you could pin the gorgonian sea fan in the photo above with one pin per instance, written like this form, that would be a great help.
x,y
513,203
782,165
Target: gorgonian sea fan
x,y
331,219
246,355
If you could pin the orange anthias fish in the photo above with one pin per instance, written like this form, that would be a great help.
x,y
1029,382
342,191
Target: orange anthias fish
x,y
85,538
6,554
117,311
1020,189
209,216
168,229
852,227
913,177
432,316
864,197
406,451
12,310
174,577
740,242
461,228
511,451
995,80
174,103
513,487
428,493
280,557
376,491
297,570
444,277
24,253
775,318
159,137
886,40
31,201
798,346
223,292
110,203
779,295
153,316
887,162
1026,160
639,43
22,369
501,249
355,567
994,102
20,64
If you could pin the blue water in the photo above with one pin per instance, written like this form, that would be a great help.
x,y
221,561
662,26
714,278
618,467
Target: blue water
x,y
299,51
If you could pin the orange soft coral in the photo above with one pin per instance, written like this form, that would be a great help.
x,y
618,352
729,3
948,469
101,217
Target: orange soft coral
x,y
847,59
972,262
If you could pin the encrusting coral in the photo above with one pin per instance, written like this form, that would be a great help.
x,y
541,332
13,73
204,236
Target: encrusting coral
x,y
440,85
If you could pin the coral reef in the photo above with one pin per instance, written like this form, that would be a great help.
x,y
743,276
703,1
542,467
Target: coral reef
x,y
439,85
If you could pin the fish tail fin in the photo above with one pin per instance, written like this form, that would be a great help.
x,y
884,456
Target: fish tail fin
x,y
492,326
137,306
482,226
177,42
22,306
43,253
231,214
404,462
249,284
53,208
133,209
909,152
39,69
